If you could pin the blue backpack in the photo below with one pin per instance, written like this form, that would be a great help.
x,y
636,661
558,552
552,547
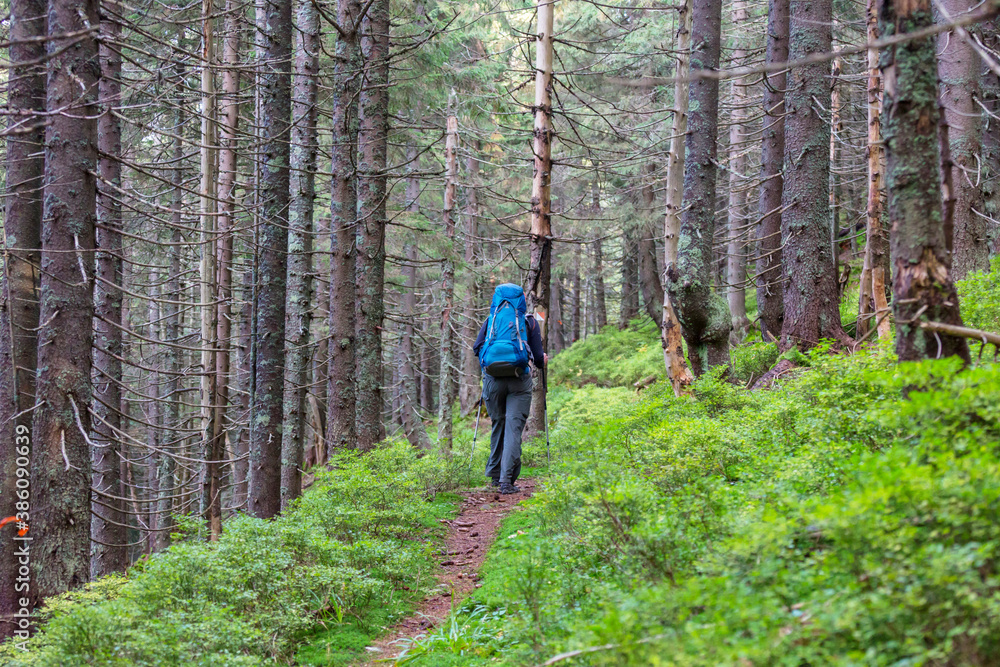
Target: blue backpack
x,y
505,351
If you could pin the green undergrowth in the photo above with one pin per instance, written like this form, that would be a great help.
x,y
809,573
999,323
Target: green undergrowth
x,y
620,357
311,587
847,517
980,297
611,358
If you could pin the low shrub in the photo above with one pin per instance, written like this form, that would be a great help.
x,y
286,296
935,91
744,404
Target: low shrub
x,y
834,520
751,360
611,358
349,554
979,293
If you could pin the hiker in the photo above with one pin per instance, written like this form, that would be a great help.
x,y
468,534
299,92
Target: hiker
x,y
508,339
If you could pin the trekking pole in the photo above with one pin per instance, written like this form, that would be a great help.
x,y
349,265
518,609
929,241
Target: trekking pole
x,y
475,433
545,413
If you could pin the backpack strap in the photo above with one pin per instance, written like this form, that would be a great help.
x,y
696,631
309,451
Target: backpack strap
x,y
493,320
517,327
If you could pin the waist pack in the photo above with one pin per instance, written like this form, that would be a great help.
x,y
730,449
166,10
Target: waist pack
x,y
505,351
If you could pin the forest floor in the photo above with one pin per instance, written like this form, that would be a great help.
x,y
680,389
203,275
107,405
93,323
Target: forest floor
x,y
470,536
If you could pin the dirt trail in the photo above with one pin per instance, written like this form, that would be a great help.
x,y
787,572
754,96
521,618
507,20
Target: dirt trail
x,y
470,536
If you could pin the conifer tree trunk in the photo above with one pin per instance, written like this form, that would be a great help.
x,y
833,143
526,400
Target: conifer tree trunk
x,y
923,290
600,301
229,119
703,314
770,304
241,468
341,405
211,429
577,303
649,270
269,366
629,306
811,296
958,68
537,286
60,466
413,427
470,389
557,337
836,129
395,403
736,255
317,399
153,415
166,465
373,114
670,331
872,303
298,309
426,363
107,527
447,381
990,183
19,299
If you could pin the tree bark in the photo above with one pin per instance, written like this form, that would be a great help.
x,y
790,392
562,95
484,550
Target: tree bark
x,y
470,392
836,129
166,465
736,254
770,304
670,331
395,402
539,272
447,382
413,426
600,300
649,269
341,406
958,68
229,116
60,466
19,299
298,310
629,307
923,290
269,365
211,504
557,338
577,301
811,296
373,113
107,522
153,415
873,308
990,92
703,314
426,368
241,468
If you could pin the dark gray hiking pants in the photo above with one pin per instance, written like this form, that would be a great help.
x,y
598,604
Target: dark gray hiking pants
x,y
507,402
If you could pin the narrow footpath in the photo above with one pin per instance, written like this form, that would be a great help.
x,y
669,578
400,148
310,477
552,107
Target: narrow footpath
x,y
470,536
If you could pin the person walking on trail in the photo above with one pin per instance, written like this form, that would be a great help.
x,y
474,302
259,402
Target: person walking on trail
x,y
507,341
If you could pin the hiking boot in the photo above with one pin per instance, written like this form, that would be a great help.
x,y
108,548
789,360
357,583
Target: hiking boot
x,y
494,482
506,488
